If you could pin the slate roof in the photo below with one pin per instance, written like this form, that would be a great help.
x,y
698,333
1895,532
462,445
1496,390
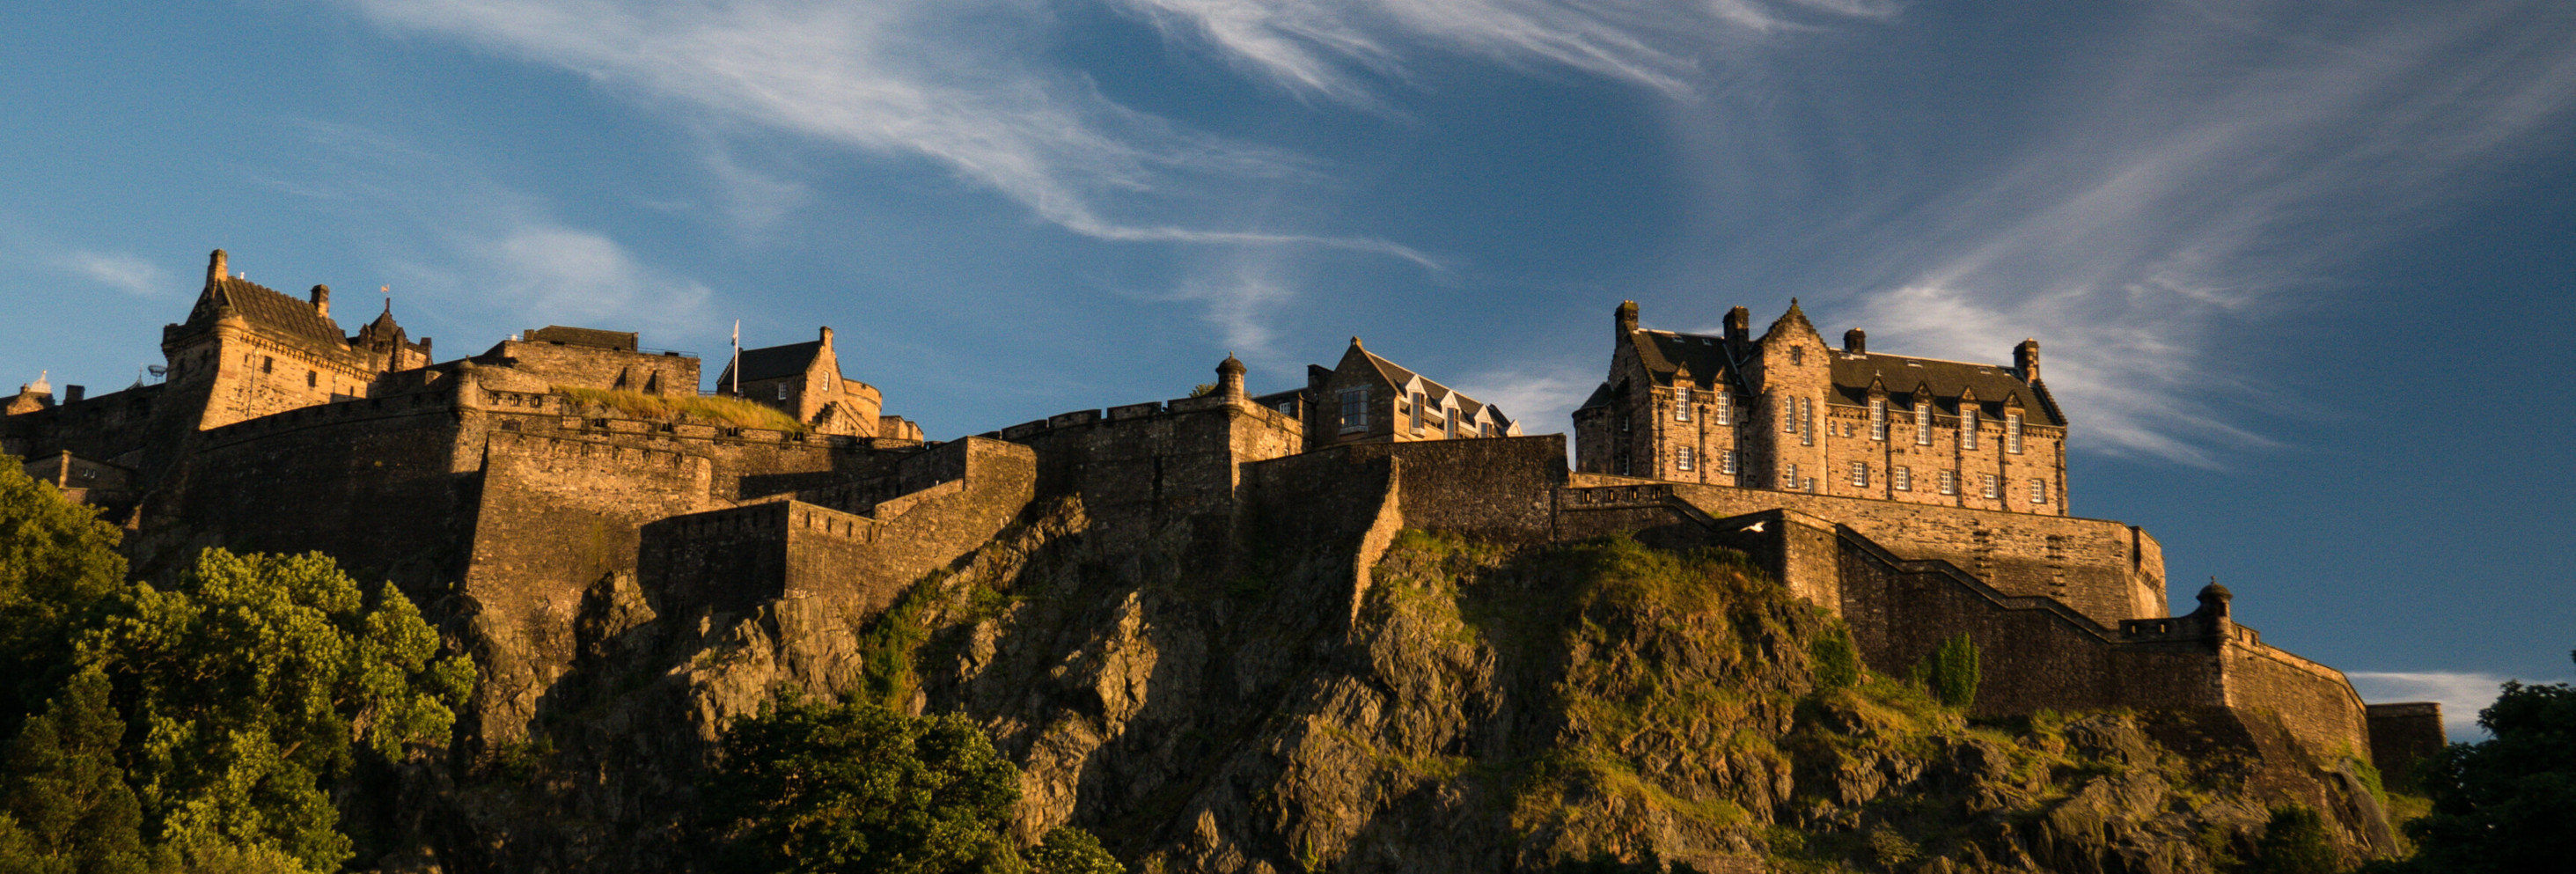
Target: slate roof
x,y
1433,391
1663,352
268,308
772,362
1945,381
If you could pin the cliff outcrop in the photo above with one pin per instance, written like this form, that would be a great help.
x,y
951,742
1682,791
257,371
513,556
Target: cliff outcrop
x,y
1333,694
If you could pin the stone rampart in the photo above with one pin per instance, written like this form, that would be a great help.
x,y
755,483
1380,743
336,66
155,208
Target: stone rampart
x,y
785,547
2403,735
2107,570
1142,467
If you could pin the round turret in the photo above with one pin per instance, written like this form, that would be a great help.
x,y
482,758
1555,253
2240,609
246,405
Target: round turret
x,y
1229,377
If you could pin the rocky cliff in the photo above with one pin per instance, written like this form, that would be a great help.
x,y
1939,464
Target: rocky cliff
x,y
1337,695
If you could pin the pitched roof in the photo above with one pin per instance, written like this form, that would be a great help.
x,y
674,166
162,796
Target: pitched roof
x,y
1432,390
772,362
1945,381
268,308
1664,352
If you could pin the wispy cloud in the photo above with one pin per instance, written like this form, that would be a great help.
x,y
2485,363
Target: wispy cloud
x,y
2461,694
1330,50
125,273
1540,396
2213,173
1243,296
951,81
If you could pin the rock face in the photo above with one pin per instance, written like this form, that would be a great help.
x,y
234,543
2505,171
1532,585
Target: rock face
x,y
1334,696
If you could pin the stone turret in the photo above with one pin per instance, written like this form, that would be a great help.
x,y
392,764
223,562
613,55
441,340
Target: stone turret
x,y
1229,378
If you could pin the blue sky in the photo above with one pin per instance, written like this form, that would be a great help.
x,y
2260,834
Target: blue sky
x,y
2302,271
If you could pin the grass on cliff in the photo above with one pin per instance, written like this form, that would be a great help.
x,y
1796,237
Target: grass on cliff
x,y
733,412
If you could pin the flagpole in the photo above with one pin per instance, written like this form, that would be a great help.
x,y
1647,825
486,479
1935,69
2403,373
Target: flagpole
x,y
736,369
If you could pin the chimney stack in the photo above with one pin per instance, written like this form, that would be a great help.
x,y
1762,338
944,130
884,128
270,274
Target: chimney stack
x,y
215,269
322,301
2026,360
827,336
1856,341
73,393
1624,320
1739,324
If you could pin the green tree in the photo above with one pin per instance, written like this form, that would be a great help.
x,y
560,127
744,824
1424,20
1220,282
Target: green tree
x,y
58,563
1837,662
2509,803
2294,842
1951,672
64,806
809,786
253,681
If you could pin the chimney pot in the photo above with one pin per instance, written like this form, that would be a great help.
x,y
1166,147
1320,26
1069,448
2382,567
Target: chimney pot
x,y
2026,360
1739,324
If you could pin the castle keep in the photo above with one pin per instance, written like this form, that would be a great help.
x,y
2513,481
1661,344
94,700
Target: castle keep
x,y
515,491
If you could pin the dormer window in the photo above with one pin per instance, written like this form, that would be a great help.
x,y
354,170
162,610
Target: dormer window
x,y
1682,404
1968,427
1878,418
1417,412
1922,423
1725,409
2012,433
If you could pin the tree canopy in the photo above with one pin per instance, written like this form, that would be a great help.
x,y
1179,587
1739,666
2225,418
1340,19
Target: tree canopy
x,y
814,786
2508,803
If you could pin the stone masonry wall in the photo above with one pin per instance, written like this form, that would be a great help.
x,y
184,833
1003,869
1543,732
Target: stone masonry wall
x,y
2314,701
2402,735
2106,570
661,373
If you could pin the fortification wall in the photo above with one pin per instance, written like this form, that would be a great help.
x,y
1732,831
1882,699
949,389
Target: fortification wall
x,y
2108,571
1327,514
2402,735
2034,653
732,559
2315,702
559,363
375,483
1141,467
1498,488
105,427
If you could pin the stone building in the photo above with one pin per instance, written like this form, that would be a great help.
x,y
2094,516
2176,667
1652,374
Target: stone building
x,y
1368,399
804,381
1788,413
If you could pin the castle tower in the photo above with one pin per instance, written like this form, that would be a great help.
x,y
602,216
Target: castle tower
x,y
247,351
804,380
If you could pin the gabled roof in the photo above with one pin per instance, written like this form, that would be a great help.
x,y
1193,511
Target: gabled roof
x,y
267,308
772,362
1946,381
1664,353
1432,390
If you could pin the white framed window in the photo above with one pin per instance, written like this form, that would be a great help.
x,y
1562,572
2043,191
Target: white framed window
x,y
1725,409
1731,462
1968,427
1922,423
1682,459
1681,404
1806,423
1789,476
1449,421
1878,419
1902,478
1788,416
1354,409
1994,487
1860,473
1949,482
2039,491
2012,433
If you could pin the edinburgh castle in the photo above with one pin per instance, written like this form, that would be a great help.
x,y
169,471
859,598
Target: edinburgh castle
x,y
530,494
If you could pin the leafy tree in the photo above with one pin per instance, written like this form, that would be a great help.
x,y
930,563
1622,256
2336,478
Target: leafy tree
x,y
810,786
1837,662
58,562
1073,851
2509,803
64,806
1951,672
2294,842
253,681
